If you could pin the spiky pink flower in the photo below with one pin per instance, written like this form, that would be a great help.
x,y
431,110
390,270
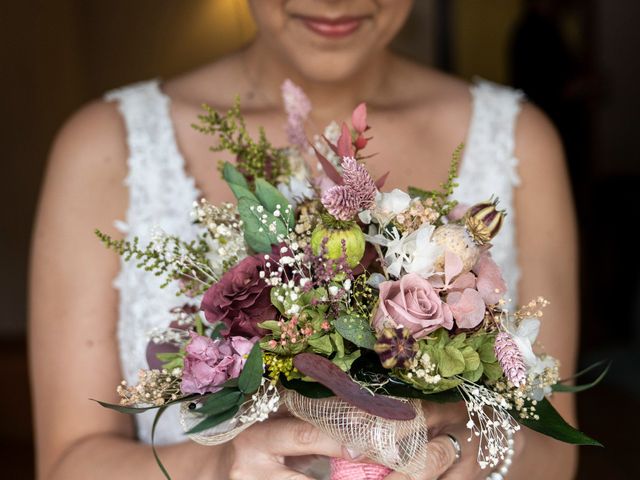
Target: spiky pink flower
x,y
341,202
298,107
357,193
510,359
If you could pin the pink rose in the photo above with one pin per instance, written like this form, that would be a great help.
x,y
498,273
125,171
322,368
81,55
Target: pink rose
x,y
412,302
210,363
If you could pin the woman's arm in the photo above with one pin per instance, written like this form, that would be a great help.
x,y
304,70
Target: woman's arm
x,y
73,315
548,255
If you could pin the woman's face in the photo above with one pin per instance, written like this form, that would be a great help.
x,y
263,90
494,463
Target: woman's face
x,y
328,40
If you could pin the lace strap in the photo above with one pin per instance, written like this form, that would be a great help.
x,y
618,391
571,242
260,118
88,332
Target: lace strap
x,y
157,181
493,125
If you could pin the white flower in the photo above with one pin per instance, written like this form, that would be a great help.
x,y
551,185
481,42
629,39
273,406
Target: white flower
x,y
296,190
393,202
388,205
524,335
413,253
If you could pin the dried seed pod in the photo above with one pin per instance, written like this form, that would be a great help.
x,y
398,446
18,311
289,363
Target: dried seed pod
x,y
484,221
457,239
396,347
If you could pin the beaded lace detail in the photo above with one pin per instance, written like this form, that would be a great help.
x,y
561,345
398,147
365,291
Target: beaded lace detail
x,y
489,167
161,194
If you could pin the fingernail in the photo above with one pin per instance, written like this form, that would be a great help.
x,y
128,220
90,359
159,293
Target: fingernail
x,y
353,454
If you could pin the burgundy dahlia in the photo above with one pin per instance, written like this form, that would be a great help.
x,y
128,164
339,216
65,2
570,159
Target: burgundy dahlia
x,y
241,299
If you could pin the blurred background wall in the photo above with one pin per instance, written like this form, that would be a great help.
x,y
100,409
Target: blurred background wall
x,y
57,55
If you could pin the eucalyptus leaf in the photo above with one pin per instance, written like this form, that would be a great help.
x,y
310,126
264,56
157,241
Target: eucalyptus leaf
x,y
220,402
553,425
357,330
563,387
256,234
214,420
251,376
137,410
270,197
153,444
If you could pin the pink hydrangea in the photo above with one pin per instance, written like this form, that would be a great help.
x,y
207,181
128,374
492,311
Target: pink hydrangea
x,y
210,363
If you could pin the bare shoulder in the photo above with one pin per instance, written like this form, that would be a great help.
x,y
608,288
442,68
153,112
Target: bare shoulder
x,y
538,146
87,166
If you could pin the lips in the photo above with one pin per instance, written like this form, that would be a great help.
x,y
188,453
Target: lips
x,y
333,27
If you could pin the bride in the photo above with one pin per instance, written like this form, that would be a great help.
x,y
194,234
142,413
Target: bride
x,y
133,159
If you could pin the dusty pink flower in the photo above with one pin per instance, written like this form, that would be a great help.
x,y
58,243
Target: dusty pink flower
x,y
210,363
413,303
357,193
241,299
510,359
489,283
297,106
467,307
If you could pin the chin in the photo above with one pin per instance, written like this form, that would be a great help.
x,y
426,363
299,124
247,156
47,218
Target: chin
x,y
316,67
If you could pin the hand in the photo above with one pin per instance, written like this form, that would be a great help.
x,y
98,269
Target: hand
x,y
260,451
450,419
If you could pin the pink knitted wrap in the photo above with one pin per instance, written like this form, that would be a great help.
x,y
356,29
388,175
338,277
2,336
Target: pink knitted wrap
x,y
346,470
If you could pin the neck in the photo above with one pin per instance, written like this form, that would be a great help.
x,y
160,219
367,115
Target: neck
x,y
330,100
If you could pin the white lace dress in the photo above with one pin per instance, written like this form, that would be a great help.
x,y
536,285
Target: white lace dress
x,y
162,194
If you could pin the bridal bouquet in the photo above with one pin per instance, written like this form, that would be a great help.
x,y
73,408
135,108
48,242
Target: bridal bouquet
x,y
345,303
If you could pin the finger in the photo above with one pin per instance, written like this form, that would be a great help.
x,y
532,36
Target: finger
x,y
266,472
292,437
441,455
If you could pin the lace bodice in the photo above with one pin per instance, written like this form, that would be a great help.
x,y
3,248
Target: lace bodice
x,y
162,194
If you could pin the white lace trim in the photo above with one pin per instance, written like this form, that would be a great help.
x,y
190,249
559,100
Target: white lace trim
x,y
489,167
161,195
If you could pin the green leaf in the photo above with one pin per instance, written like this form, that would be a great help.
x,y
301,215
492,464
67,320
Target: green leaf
x,y
271,325
233,176
214,420
199,326
153,445
220,402
458,341
487,352
338,341
238,183
471,358
321,344
553,425
251,376
270,197
137,410
493,371
357,330
561,387
259,241
344,362
474,375
450,362
416,192
217,330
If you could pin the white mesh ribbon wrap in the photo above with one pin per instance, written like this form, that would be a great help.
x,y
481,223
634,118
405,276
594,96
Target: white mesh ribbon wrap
x,y
399,445
265,401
